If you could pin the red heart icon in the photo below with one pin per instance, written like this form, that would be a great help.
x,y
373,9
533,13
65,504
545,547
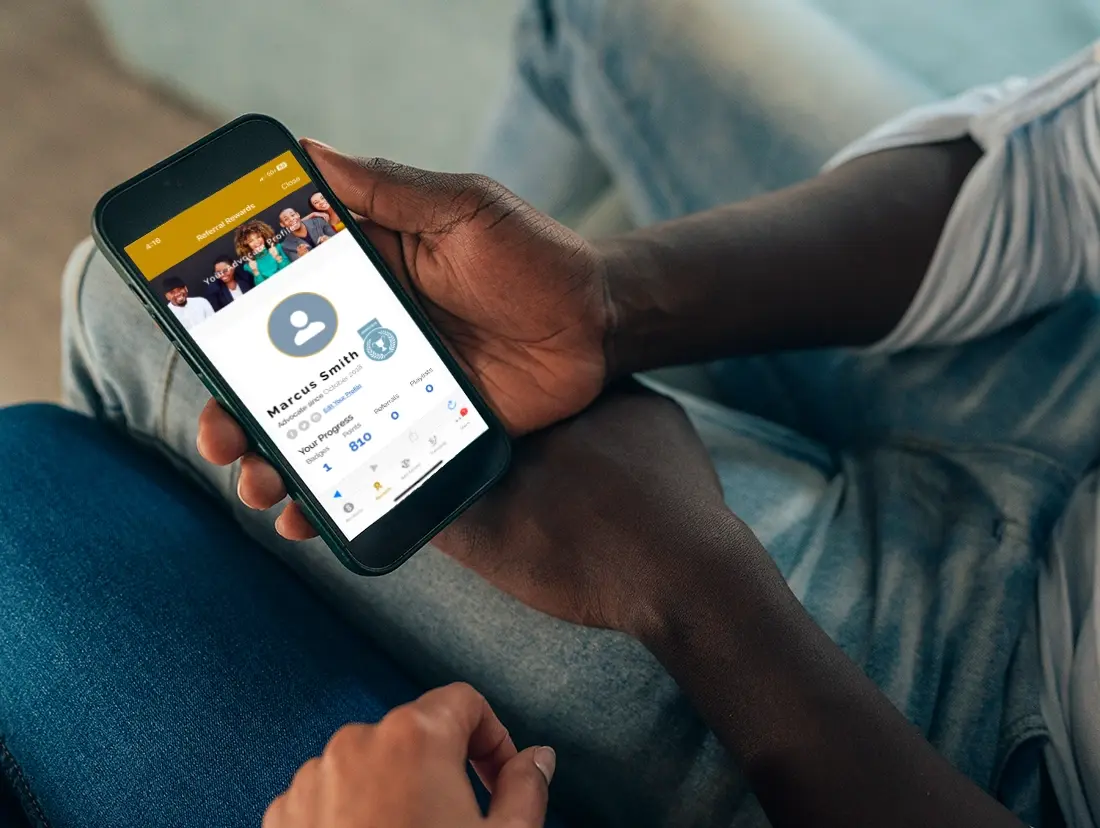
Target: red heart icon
x,y
464,411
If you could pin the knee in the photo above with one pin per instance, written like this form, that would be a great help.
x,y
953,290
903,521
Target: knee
x,y
41,446
33,430
93,299
111,350
607,28
634,49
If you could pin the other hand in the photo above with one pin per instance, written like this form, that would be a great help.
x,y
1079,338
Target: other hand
x,y
409,771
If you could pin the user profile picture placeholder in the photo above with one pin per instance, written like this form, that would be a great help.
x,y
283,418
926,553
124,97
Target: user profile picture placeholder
x,y
302,325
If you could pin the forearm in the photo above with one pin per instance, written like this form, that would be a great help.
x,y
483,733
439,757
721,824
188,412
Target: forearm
x,y
834,261
818,742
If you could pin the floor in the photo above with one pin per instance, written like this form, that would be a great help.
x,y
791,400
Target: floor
x,y
72,124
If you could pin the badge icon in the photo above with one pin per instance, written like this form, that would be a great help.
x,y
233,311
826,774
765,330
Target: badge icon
x,y
379,343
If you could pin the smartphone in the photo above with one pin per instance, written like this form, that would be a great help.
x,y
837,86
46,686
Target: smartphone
x,y
269,290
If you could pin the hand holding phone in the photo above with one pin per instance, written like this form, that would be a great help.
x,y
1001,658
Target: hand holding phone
x,y
517,298
483,288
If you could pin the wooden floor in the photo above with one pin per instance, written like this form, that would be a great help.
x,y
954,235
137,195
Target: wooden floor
x,y
72,124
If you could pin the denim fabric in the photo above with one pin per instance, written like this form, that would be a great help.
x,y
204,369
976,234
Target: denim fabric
x,y
157,668
684,104
890,490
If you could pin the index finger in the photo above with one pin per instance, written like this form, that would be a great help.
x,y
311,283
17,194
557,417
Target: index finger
x,y
220,439
473,731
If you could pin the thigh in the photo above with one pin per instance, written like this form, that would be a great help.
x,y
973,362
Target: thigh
x,y
156,667
1034,387
694,103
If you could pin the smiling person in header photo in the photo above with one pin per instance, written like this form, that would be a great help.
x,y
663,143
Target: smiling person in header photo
x,y
231,283
190,310
255,243
303,234
324,210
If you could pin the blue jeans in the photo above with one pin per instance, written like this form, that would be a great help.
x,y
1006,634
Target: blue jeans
x,y
907,499
157,667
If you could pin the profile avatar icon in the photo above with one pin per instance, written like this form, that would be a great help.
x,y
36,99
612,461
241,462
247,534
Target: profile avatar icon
x,y
302,324
306,329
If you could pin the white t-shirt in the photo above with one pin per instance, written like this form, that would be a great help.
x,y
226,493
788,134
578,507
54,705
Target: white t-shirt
x,y
193,312
236,292
1006,253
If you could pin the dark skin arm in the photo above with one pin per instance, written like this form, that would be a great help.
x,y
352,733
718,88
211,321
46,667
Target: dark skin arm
x,y
834,261
651,549
819,743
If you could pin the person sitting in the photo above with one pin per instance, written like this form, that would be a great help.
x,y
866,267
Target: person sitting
x,y
302,234
190,310
231,283
851,587
255,243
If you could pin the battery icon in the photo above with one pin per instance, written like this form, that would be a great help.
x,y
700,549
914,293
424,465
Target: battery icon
x,y
281,165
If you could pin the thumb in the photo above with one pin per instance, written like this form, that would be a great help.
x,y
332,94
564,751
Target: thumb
x,y
522,789
405,199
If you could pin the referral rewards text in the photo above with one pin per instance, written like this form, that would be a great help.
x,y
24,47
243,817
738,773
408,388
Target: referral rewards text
x,y
228,221
303,393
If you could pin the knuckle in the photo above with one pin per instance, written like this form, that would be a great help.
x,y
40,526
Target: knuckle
x,y
273,814
348,739
461,691
406,727
480,183
455,698
305,774
377,164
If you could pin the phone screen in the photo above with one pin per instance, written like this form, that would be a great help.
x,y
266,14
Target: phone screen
x,y
290,310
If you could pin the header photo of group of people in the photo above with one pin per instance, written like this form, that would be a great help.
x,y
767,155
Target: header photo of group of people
x,y
233,264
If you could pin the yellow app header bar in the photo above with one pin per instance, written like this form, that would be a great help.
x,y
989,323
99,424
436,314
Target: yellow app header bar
x,y
213,217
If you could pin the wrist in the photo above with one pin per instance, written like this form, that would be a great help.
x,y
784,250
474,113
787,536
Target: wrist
x,y
716,564
630,299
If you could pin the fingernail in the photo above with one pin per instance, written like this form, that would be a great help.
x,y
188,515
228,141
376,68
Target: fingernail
x,y
546,761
